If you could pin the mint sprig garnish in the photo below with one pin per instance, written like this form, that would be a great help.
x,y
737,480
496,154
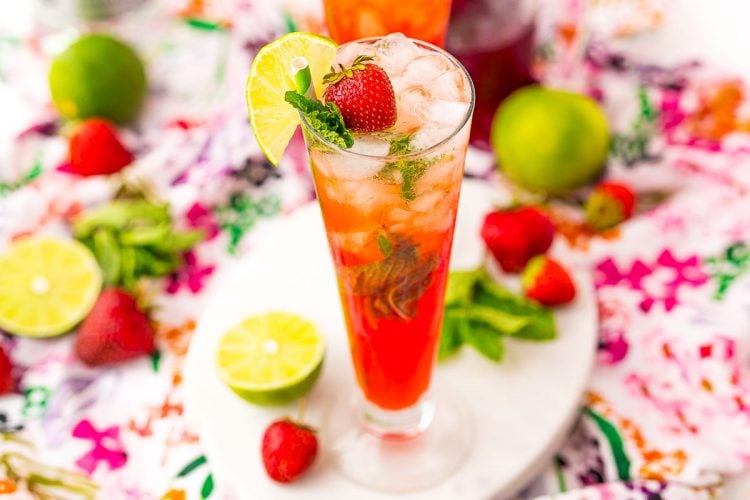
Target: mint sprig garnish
x,y
480,312
325,119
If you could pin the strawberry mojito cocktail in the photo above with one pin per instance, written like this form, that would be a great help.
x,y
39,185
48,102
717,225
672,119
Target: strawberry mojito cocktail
x,y
389,205
387,129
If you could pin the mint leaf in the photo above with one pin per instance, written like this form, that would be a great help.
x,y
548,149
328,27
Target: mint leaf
x,y
325,119
450,336
385,246
484,339
394,284
540,321
460,287
409,172
400,145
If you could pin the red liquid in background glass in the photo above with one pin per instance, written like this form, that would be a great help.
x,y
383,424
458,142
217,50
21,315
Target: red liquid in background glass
x,y
497,69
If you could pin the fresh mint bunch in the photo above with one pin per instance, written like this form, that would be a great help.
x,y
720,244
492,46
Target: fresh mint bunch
x,y
479,312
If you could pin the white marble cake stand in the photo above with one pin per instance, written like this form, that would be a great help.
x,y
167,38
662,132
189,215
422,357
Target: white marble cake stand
x,y
521,408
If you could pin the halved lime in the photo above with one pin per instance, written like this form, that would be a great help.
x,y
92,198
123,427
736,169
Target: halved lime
x,y
273,120
270,359
48,286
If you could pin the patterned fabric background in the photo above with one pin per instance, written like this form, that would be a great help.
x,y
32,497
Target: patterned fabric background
x,y
667,413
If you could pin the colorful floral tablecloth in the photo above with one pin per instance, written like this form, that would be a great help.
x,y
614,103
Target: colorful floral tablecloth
x,y
667,412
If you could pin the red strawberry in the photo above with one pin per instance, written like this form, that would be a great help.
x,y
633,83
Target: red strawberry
x,y
516,235
547,282
609,204
288,450
364,95
115,330
6,375
95,149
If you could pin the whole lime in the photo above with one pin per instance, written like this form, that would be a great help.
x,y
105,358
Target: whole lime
x,y
550,140
98,75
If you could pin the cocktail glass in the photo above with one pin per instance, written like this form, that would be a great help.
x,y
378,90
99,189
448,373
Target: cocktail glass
x,y
494,40
389,220
349,20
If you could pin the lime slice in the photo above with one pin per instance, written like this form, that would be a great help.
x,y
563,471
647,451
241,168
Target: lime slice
x,y
272,358
273,120
48,286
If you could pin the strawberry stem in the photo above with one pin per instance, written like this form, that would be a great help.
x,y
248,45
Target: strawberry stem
x,y
357,65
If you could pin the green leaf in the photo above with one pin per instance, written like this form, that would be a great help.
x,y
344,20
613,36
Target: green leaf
x,y
127,268
145,235
484,339
119,214
460,287
615,443
208,487
450,336
192,466
400,145
107,252
540,322
502,322
407,172
181,241
385,246
325,119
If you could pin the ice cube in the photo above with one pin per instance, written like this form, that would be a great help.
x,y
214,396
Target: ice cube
x,y
427,202
424,70
450,86
348,52
444,112
370,145
348,167
429,135
394,53
408,104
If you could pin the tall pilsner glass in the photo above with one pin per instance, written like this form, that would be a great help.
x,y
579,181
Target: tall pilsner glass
x,y
389,218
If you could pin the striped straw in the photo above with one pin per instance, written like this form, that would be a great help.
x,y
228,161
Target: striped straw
x,y
303,77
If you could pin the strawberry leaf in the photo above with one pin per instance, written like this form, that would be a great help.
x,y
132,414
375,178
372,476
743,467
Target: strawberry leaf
x,y
325,119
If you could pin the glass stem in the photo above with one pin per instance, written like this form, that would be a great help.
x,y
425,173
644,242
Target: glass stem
x,y
398,424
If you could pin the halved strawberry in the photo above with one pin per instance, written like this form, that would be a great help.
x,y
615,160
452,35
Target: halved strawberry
x,y
364,95
609,204
115,330
546,281
95,149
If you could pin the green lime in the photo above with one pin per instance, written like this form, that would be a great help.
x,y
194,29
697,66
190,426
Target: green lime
x,y
272,358
550,140
49,286
98,75
272,119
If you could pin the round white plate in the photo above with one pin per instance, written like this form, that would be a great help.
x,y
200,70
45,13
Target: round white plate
x,y
521,408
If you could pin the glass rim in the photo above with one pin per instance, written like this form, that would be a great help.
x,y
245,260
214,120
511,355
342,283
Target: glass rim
x,y
452,59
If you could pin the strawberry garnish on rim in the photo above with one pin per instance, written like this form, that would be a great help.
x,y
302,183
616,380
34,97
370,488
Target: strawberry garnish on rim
x,y
364,94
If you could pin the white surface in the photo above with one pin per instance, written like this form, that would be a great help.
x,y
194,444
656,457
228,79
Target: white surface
x,y
522,408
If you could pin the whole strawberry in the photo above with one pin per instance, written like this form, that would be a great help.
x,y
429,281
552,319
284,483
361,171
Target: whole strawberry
x,y
609,204
6,373
115,330
547,282
95,149
516,235
364,95
288,450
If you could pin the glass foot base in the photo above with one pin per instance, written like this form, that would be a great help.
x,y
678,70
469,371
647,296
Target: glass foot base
x,y
407,450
